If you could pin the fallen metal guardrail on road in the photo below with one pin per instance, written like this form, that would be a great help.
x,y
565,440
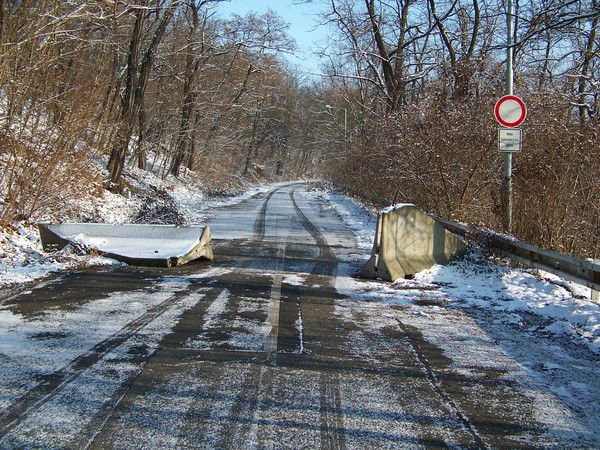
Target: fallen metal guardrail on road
x,y
581,271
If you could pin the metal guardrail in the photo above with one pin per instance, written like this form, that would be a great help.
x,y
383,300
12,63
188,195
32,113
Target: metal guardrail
x,y
581,271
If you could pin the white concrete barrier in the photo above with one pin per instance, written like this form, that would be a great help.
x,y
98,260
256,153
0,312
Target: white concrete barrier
x,y
408,241
144,245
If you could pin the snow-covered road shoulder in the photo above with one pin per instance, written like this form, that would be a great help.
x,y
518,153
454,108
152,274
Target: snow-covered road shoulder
x,y
565,306
23,260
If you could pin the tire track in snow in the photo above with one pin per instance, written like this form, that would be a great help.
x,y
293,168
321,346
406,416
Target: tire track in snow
x,y
437,386
332,420
285,340
56,382
327,262
259,223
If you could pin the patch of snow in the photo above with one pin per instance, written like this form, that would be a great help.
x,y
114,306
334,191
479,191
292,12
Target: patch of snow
x,y
22,258
514,290
394,207
247,334
35,352
294,280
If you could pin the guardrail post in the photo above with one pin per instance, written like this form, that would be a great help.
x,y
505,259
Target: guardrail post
x,y
595,295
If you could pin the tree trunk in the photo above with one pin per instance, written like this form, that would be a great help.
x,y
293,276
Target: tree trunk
x,y
184,146
386,63
141,139
136,83
587,57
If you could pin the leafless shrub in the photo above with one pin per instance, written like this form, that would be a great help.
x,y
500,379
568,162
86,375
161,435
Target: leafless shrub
x,y
49,86
42,173
557,182
444,159
431,156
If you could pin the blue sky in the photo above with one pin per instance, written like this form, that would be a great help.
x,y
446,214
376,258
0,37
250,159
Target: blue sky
x,y
302,19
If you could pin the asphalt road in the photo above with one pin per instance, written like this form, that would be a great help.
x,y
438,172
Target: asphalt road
x,y
261,348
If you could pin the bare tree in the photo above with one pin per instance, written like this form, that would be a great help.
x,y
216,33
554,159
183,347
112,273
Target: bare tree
x,y
560,38
459,29
136,78
384,39
235,89
588,48
198,51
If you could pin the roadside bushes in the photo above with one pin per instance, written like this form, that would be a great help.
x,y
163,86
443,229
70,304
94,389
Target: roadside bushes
x,y
50,85
44,164
557,182
444,158
40,177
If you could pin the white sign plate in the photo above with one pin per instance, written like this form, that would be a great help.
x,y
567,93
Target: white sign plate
x,y
509,139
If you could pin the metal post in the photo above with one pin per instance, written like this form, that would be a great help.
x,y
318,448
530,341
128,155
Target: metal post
x,y
595,295
507,189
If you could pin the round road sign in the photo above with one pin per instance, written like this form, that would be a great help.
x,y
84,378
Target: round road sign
x,y
510,111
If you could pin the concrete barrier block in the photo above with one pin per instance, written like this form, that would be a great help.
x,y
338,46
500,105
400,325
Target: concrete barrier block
x,y
408,241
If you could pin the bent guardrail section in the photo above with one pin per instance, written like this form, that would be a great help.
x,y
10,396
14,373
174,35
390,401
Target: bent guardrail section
x,y
143,245
581,271
408,241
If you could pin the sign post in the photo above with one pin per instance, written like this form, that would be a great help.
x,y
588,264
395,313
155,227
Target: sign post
x,y
510,112
508,90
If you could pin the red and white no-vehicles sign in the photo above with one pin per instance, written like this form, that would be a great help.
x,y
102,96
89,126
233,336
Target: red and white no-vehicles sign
x,y
510,111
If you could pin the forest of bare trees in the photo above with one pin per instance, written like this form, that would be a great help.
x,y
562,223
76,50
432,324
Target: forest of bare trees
x,y
421,79
165,86
404,108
